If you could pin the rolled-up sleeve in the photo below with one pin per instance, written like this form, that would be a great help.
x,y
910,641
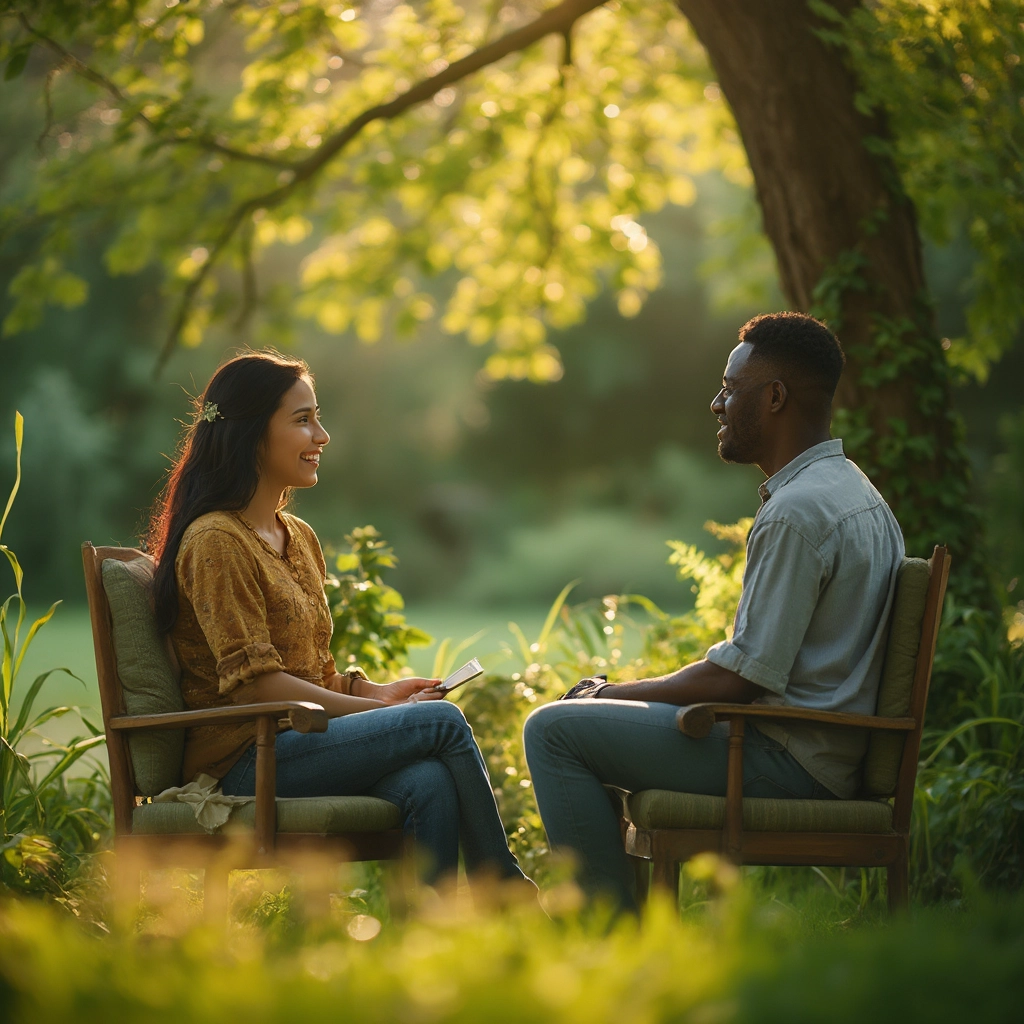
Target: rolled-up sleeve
x,y
221,581
781,584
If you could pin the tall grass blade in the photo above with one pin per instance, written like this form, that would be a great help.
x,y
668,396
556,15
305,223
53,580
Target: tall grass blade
x,y
456,651
524,644
644,602
440,656
42,718
966,727
7,665
19,434
72,753
549,622
35,627
26,705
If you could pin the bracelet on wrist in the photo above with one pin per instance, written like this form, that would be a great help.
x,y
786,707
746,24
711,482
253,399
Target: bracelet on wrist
x,y
353,674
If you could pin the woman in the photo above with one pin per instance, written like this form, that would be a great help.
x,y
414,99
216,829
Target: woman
x,y
240,589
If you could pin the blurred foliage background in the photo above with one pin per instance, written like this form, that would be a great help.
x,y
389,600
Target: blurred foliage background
x,y
573,437
590,227
495,492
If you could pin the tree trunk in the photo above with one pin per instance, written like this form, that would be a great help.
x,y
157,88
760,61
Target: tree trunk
x,y
846,241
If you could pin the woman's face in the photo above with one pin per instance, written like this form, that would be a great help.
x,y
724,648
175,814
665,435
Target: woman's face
x,y
294,440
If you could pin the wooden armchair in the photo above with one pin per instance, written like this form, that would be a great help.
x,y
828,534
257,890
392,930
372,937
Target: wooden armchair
x,y
144,718
664,828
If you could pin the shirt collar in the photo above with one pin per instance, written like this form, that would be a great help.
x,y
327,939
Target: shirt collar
x,y
825,450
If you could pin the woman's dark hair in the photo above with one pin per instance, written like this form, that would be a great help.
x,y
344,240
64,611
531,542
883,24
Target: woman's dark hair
x,y
217,465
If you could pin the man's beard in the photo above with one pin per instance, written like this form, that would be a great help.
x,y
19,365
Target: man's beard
x,y
742,440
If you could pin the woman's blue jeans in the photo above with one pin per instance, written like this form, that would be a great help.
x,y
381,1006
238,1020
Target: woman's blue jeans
x,y
421,757
576,747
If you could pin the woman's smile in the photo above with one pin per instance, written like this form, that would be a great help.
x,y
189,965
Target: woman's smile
x,y
294,434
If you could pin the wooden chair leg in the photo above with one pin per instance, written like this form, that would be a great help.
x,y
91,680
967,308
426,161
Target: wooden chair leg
x,y
266,786
897,876
642,874
665,875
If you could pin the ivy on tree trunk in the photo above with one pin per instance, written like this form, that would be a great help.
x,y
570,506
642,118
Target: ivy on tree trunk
x,y
846,241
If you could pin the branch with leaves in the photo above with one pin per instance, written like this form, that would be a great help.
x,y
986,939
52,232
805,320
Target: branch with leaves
x,y
558,20
469,152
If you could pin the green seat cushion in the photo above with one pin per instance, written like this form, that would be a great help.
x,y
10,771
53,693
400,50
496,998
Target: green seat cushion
x,y
659,808
149,681
885,749
321,815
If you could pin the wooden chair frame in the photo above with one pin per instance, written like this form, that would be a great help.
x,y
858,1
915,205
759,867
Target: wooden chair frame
x,y
664,849
192,848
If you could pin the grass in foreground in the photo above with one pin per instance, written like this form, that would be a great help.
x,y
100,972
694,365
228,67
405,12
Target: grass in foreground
x,y
741,956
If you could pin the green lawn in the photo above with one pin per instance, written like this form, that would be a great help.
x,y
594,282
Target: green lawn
x,y
66,642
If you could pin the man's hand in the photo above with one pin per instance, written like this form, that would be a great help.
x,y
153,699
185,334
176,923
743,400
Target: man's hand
x,y
698,683
586,688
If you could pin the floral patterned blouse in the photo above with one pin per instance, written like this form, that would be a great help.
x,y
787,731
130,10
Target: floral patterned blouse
x,y
243,610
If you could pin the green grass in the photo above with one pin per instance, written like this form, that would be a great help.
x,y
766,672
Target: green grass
x,y
66,642
743,956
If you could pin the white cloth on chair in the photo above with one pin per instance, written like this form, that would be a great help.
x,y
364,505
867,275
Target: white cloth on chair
x,y
212,807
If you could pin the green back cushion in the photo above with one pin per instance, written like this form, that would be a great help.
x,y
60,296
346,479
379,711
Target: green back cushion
x,y
148,678
882,763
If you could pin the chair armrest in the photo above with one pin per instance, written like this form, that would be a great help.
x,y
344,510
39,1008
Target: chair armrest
x,y
302,716
696,720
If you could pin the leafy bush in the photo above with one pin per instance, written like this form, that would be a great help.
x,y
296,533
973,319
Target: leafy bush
x,y
582,640
48,821
672,641
369,627
741,959
1005,501
969,813
969,810
574,641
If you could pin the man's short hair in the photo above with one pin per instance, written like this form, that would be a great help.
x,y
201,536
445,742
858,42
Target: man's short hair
x,y
803,350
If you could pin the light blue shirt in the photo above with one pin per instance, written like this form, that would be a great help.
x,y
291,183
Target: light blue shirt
x,y
813,618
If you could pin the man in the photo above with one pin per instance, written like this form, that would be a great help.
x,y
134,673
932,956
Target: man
x,y
810,629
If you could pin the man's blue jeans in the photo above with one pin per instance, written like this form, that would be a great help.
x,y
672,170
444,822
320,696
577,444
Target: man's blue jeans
x,y
576,747
421,757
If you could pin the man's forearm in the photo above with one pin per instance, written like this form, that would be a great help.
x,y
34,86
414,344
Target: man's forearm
x,y
699,683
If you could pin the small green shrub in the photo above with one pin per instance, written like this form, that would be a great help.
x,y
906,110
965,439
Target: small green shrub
x,y
369,627
673,641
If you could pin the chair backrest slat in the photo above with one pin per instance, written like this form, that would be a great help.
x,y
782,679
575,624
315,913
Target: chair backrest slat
x,y
122,780
903,805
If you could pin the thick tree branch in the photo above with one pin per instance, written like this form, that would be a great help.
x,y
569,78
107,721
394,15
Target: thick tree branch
x,y
48,103
558,20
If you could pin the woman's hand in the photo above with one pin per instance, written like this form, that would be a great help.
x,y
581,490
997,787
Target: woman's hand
x,y
410,690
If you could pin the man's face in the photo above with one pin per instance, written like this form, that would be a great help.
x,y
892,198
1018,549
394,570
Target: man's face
x,y
740,407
